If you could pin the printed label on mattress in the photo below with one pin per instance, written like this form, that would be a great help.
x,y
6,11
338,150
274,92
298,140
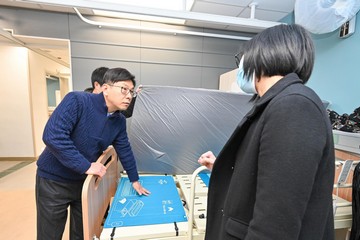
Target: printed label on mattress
x,y
163,205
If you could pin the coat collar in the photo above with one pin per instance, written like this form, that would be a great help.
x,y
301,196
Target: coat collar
x,y
261,103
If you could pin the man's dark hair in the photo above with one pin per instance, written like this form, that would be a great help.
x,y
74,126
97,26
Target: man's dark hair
x,y
89,89
114,75
98,76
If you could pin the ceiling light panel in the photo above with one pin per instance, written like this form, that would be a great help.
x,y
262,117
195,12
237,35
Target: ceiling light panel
x,y
138,17
219,9
178,5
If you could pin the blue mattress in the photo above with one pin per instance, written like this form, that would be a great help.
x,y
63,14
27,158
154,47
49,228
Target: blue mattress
x,y
205,177
163,205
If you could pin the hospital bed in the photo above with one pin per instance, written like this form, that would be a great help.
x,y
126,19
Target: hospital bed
x,y
98,194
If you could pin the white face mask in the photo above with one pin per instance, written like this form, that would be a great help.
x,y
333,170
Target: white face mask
x,y
245,84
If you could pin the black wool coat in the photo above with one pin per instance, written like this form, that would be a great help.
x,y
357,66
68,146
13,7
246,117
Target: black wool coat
x,y
273,179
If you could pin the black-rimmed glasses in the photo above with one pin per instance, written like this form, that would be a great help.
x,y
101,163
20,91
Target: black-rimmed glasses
x,y
237,59
125,90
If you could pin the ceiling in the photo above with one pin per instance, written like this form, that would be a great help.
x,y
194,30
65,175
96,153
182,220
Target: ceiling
x,y
266,11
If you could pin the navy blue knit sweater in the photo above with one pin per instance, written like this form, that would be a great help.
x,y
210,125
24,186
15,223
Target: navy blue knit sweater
x,y
77,133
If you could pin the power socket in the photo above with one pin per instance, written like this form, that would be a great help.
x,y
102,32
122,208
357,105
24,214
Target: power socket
x,y
348,28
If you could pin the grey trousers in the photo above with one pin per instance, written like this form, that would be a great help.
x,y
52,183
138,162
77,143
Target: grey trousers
x,y
52,201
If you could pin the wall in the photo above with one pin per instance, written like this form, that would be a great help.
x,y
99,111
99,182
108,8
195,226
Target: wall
x,y
24,100
336,74
158,59
39,66
335,77
15,123
155,59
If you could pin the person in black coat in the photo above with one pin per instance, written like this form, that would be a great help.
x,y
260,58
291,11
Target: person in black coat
x,y
273,179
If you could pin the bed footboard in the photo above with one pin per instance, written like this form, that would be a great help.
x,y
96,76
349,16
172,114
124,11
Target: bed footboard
x,y
97,193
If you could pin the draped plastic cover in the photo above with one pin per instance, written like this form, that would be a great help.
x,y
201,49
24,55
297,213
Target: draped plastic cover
x,y
324,16
172,126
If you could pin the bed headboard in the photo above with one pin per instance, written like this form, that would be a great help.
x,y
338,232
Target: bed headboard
x,y
97,193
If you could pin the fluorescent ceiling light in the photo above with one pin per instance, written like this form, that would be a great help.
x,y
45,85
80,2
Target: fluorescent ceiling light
x,y
176,5
138,17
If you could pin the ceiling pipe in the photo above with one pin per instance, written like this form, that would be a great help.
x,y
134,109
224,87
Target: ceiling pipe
x,y
162,30
255,24
252,6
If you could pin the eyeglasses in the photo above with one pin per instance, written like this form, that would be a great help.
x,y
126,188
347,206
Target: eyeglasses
x,y
237,59
125,90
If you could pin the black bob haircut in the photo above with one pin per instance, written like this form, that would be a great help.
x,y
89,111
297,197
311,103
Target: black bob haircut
x,y
114,75
280,50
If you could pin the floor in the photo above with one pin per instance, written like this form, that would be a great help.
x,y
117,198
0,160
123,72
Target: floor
x,y
17,201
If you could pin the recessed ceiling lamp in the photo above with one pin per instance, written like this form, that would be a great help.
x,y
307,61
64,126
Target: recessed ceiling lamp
x,y
177,5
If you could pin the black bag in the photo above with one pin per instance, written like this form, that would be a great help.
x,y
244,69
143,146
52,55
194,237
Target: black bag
x,y
345,122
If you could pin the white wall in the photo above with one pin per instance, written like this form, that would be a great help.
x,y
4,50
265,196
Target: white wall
x,y
39,66
16,139
23,104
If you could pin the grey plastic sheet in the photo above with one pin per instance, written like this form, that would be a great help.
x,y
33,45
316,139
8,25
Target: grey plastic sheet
x,y
172,126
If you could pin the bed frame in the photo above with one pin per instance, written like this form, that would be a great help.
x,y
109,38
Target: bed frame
x,y
97,194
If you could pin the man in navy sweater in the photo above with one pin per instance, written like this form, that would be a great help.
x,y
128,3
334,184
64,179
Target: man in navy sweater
x,y
97,80
78,131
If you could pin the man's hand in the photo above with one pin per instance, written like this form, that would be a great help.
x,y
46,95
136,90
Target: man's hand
x,y
207,159
139,189
96,169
